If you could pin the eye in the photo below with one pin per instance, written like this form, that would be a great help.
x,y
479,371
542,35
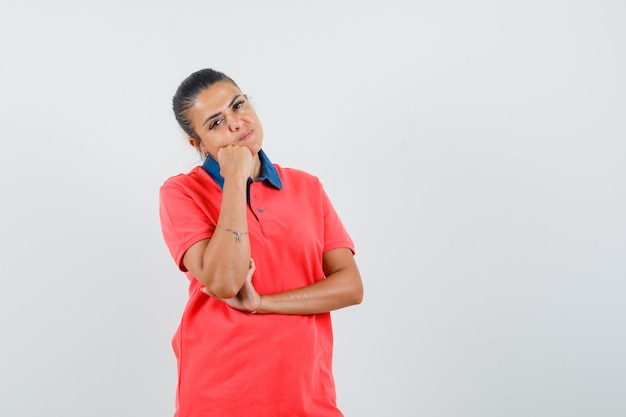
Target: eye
x,y
215,124
238,104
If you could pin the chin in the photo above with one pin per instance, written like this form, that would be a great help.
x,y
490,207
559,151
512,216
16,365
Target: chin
x,y
255,148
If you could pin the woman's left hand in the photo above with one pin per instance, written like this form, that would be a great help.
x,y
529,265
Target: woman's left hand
x,y
247,299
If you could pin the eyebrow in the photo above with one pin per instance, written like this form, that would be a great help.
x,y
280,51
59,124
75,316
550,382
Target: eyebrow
x,y
218,113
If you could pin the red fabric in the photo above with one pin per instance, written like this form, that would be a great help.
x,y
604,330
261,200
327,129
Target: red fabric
x,y
237,364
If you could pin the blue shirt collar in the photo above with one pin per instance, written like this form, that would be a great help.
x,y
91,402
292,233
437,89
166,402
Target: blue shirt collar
x,y
268,171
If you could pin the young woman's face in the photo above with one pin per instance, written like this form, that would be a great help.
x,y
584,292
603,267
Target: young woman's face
x,y
222,115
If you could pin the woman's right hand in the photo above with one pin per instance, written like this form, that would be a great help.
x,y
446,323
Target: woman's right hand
x,y
235,162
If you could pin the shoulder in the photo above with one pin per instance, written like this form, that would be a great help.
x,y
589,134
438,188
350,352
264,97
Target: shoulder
x,y
301,185
295,175
196,177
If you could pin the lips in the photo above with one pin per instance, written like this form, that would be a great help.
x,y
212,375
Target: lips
x,y
245,136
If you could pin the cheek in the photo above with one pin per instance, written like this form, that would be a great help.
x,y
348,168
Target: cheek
x,y
211,143
202,149
256,121
208,147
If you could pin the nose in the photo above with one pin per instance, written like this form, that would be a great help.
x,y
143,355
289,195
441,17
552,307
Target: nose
x,y
234,123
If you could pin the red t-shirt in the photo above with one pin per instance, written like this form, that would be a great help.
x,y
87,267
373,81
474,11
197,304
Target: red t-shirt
x,y
232,363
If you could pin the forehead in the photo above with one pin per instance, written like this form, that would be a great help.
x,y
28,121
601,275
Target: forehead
x,y
211,101
217,97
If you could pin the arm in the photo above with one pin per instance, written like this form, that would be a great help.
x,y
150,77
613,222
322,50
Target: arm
x,y
221,263
341,288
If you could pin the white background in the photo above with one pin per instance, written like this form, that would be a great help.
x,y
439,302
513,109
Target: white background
x,y
475,151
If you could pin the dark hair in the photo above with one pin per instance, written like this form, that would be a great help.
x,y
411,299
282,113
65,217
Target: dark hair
x,y
189,90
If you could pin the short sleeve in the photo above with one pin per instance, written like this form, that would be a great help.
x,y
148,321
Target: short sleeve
x,y
335,234
183,221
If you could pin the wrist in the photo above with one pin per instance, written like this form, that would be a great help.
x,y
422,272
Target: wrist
x,y
258,308
236,178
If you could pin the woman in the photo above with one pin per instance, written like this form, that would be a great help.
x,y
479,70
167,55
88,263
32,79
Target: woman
x,y
267,259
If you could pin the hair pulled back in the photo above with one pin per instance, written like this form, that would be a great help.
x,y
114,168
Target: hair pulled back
x,y
188,92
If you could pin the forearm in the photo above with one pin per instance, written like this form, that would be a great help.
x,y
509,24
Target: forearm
x,y
226,257
341,289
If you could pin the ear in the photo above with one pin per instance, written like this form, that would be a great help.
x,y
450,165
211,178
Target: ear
x,y
197,143
194,142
